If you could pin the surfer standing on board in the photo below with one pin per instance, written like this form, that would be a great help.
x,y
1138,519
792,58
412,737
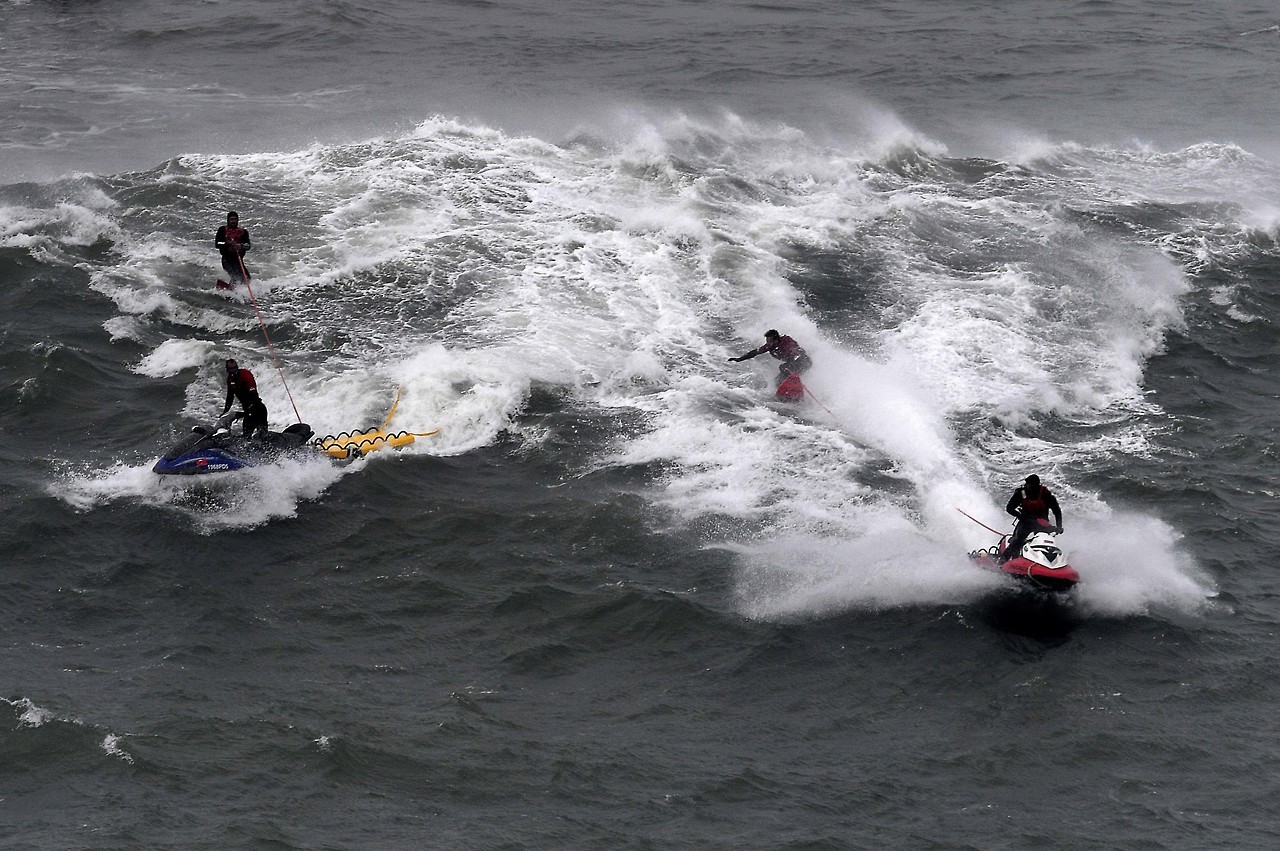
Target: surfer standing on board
x,y
233,241
1031,504
794,359
240,385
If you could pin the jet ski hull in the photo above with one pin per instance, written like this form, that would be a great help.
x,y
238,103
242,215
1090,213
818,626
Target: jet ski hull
x,y
1041,564
208,451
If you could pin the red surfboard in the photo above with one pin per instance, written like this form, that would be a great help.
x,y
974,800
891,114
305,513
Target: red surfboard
x,y
791,389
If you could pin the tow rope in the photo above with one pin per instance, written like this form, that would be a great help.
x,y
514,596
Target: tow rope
x,y
979,522
263,325
815,398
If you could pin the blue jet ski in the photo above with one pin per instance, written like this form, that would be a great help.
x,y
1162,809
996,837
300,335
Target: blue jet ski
x,y
218,450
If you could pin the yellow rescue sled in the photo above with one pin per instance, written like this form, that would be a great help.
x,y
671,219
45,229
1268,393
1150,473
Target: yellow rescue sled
x,y
350,444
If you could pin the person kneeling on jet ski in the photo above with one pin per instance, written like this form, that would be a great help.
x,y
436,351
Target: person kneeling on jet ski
x,y
240,385
1031,504
794,359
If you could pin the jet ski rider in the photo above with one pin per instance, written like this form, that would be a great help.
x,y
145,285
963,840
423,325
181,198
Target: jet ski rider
x,y
794,359
1031,504
240,385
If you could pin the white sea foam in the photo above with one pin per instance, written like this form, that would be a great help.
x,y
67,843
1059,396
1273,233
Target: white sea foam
x,y
47,231
29,715
467,267
239,499
174,356
153,298
111,745
1130,563
621,313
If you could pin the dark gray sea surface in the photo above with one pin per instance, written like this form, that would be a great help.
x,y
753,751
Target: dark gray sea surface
x,y
102,86
615,594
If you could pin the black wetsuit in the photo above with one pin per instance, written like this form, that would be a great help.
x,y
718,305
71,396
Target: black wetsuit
x,y
1030,509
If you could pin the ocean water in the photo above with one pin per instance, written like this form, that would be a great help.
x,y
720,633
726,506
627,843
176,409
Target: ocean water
x,y
623,598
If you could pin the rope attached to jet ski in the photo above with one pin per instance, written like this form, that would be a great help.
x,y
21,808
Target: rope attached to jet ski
x,y
979,522
271,348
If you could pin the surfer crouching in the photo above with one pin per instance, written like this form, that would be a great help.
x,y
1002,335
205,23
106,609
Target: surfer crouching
x,y
794,358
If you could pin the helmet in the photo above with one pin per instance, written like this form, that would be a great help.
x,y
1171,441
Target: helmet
x,y
771,334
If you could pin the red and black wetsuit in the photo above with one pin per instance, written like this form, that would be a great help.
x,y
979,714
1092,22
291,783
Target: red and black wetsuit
x,y
795,359
1031,505
784,349
240,385
233,258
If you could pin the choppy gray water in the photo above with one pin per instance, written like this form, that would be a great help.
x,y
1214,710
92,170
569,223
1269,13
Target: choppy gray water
x,y
624,598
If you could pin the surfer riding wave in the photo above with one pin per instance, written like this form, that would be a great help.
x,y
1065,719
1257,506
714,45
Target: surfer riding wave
x,y
794,358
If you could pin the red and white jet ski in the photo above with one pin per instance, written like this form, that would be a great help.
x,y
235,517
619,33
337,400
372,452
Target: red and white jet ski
x,y
1040,564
